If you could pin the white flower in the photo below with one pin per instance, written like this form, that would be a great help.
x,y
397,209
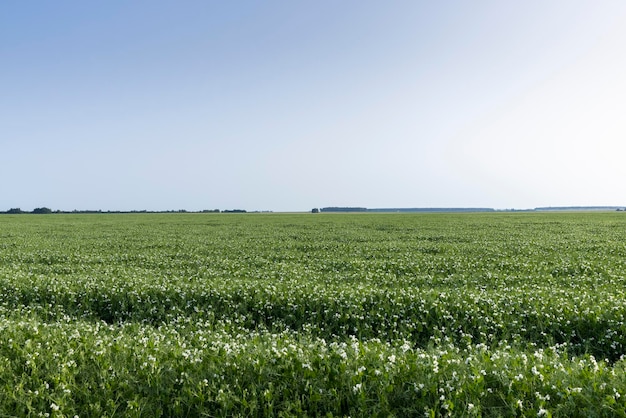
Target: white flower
x,y
542,412
54,406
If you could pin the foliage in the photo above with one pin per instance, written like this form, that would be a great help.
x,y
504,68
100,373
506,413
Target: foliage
x,y
338,315
43,210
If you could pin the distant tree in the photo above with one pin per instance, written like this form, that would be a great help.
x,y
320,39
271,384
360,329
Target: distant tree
x,y
43,210
14,210
343,209
315,210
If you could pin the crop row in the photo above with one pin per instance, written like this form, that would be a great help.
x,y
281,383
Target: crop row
x,y
591,322
191,368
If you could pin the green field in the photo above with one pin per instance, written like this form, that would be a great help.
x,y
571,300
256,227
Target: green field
x,y
493,314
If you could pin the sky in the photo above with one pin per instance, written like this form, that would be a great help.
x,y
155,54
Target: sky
x,y
290,105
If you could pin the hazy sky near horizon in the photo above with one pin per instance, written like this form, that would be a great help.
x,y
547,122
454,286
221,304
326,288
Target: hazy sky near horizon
x,y
290,105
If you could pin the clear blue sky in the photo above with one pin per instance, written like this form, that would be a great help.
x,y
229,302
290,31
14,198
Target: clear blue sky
x,y
290,105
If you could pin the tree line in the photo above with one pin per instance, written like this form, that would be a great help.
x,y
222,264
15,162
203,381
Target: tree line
x,y
14,211
45,210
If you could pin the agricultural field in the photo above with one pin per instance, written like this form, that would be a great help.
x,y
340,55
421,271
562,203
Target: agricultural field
x,y
361,315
